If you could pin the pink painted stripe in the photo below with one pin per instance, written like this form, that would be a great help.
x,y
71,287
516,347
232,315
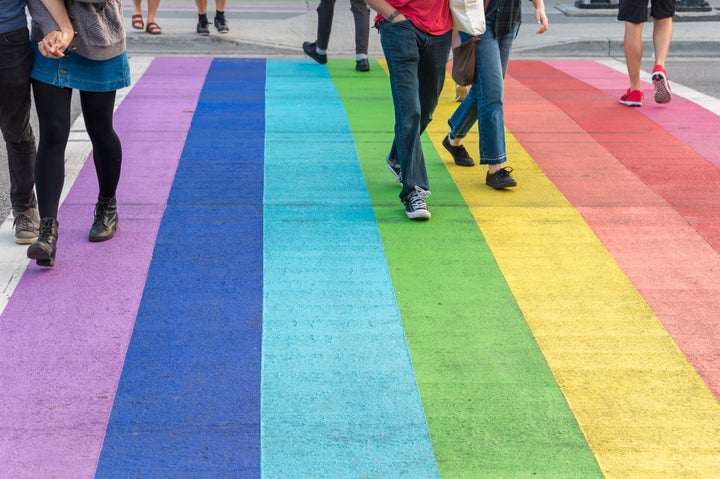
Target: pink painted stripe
x,y
65,331
687,121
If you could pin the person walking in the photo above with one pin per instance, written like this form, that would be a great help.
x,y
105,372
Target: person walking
x,y
635,13
219,21
96,64
317,50
416,38
15,64
484,100
137,17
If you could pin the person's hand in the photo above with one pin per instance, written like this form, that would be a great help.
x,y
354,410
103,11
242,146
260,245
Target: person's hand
x,y
55,43
541,19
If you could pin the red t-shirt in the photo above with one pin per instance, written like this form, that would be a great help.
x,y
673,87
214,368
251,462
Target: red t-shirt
x,y
430,16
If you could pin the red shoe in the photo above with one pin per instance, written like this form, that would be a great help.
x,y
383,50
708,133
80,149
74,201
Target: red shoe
x,y
662,86
632,98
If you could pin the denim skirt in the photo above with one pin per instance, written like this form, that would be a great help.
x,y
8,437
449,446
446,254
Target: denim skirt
x,y
80,73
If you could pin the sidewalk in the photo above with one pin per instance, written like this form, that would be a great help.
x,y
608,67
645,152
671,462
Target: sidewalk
x,y
278,28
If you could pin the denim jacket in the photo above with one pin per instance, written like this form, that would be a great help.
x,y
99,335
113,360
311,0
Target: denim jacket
x,y
98,24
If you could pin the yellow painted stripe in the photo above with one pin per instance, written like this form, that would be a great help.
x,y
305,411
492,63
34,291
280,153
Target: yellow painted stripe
x,y
644,410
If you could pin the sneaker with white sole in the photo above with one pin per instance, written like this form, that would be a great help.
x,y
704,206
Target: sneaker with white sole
x,y
394,169
26,224
415,206
661,84
632,98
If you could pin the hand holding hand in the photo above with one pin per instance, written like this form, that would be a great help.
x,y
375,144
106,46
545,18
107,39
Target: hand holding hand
x,y
55,43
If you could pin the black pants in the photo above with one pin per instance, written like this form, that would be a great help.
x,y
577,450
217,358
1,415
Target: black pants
x,y
53,109
361,15
15,64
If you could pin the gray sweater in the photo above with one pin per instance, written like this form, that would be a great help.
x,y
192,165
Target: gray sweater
x,y
98,24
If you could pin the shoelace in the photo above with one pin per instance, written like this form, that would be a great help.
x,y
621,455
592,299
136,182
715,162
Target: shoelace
x,y
100,213
23,222
417,199
503,172
45,229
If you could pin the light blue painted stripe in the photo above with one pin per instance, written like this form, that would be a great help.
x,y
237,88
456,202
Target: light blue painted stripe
x,y
339,397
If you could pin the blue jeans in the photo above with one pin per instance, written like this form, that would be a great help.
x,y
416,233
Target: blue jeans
x,y
15,63
484,101
416,61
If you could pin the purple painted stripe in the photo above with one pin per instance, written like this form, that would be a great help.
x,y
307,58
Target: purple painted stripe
x,y
65,331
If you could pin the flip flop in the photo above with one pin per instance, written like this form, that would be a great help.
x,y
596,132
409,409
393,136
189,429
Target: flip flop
x,y
153,28
137,21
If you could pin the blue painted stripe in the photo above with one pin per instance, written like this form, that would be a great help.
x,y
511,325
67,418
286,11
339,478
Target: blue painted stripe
x,y
188,401
339,397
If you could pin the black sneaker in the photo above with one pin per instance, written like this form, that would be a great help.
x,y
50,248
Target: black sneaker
x,y
309,49
362,65
459,153
221,24
202,28
500,179
394,169
415,206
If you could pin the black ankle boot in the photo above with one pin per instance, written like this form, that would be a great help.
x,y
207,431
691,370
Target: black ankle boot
x,y
43,250
106,220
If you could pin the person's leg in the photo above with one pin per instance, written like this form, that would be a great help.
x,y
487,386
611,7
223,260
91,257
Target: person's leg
x,y
97,108
201,6
361,16
633,47
53,111
107,155
137,7
15,63
220,22
399,43
325,11
662,36
152,10
202,24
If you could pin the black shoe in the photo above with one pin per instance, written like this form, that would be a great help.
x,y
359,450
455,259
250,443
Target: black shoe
x,y
106,220
221,24
500,179
44,249
309,49
362,65
202,28
459,153
415,205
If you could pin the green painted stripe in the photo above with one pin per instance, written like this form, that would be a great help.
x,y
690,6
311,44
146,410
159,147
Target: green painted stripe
x,y
493,406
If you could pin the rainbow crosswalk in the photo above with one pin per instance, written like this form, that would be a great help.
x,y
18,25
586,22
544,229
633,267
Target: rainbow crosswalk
x,y
266,309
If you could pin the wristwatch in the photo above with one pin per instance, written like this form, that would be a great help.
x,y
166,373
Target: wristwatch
x,y
393,16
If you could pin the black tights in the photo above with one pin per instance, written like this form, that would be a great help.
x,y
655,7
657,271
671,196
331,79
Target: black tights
x,y
53,109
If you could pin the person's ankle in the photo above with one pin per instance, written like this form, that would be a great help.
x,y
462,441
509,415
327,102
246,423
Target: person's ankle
x,y
454,141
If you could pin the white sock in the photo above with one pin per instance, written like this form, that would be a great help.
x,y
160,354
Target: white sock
x,y
361,56
321,52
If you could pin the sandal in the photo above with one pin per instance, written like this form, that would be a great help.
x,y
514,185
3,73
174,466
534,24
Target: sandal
x,y
137,21
153,28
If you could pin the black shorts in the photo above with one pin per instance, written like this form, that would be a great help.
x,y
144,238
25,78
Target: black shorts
x,y
636,11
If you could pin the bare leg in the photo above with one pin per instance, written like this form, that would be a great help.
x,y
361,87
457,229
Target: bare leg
x,y
633,53
662,35
201,6
152,10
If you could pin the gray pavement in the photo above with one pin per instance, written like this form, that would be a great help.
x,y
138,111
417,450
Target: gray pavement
x,y
278,28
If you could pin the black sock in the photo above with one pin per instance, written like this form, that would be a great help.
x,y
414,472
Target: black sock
x,y
202,18
219,14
